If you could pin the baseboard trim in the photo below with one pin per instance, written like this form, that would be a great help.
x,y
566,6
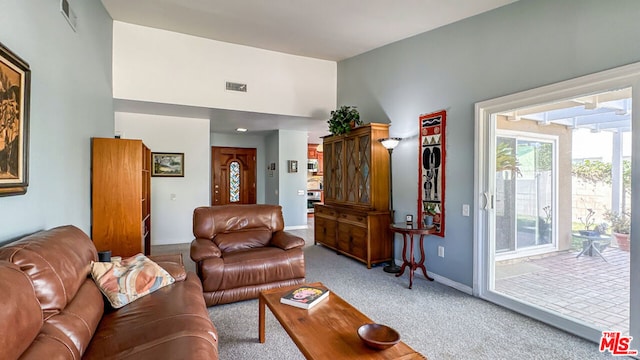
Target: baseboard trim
x,y
296,227
454,284
450,283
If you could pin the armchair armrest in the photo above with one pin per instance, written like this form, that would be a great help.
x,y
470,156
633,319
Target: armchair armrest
x,y
286,241
172,263
203,249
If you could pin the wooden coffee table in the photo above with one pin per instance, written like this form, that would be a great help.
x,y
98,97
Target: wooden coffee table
x,y
328,330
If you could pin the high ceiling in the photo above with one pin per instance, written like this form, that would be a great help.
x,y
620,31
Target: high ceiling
x,y
330,29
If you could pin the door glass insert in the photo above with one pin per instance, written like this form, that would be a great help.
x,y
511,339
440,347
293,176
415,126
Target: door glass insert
x,y
364,182
339,170
329,182
352,168
234,182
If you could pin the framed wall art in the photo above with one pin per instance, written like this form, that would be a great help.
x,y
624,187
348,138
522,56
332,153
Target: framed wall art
x,y
431,158
15,83
167,164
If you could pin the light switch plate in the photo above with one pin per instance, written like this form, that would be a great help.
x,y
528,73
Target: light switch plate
x,y
465,209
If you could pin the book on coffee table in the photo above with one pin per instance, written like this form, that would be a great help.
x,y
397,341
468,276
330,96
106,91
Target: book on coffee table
x,y
305,296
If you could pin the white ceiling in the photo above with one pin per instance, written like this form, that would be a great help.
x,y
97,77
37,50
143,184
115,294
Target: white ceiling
x,y
329,29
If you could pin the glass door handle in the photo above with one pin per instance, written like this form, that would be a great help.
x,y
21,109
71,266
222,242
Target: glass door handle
x,y
488,200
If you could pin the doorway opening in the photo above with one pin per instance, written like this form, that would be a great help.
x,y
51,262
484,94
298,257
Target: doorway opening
x,y
233,172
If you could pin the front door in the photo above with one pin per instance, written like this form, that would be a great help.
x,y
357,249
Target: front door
x,y
234,175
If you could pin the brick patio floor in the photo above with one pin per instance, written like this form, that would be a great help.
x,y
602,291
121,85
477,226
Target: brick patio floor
x,y
586,288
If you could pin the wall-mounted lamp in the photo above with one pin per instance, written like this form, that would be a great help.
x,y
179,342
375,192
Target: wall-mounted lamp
x,y
390,144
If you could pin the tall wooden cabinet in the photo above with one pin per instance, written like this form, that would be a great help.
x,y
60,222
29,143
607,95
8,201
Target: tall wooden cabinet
x,y
355,218
121,196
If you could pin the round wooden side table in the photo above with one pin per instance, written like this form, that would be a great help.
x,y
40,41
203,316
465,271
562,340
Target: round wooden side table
x,y
409,231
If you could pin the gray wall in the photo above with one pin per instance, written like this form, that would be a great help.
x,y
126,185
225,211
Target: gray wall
x,y
272,154
70,103
293,146
517,47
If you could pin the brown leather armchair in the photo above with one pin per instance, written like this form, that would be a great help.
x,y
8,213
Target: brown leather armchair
x,y
240,250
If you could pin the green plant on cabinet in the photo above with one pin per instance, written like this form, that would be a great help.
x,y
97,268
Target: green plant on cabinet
x,y
343,119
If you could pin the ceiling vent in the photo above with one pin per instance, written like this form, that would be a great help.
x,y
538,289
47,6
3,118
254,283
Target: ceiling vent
x,y
231,86
68,14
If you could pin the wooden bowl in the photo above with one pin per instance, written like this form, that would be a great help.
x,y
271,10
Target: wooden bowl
x,y
378,336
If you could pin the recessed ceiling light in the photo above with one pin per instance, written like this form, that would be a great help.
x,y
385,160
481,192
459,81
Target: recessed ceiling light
x,y
241,130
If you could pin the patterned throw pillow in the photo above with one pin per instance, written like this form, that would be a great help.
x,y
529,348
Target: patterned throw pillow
x,y
129,279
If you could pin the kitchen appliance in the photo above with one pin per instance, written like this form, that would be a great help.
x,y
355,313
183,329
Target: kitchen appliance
x,y
313,196
312,165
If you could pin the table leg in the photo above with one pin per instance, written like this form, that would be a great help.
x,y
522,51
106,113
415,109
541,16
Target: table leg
x,y
599,253
590,249
261,316
412,265
420,264
582,252
404,255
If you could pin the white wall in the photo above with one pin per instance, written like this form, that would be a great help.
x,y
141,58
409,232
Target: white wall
x,y
167,67
71,101
171,220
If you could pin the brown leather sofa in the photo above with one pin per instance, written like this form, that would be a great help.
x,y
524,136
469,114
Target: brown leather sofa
x,y
52,309
240,250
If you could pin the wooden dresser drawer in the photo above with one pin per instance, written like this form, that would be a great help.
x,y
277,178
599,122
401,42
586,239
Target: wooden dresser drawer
x,y
353,219
362,235
325,232
324,211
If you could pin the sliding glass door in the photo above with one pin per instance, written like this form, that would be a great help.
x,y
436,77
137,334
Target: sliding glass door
x,y
524,193
554,184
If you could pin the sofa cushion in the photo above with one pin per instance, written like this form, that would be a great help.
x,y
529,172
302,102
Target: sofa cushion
x,y
203,249
169,323
252,267
51,343
20,313
79,320
240,240
208,221
286,241
57,261
125,281
172,263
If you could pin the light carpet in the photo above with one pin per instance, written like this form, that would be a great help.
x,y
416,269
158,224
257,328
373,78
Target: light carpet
x,y
438,321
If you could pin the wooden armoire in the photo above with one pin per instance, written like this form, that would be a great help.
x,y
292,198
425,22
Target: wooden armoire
x,y
354,219
121,196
